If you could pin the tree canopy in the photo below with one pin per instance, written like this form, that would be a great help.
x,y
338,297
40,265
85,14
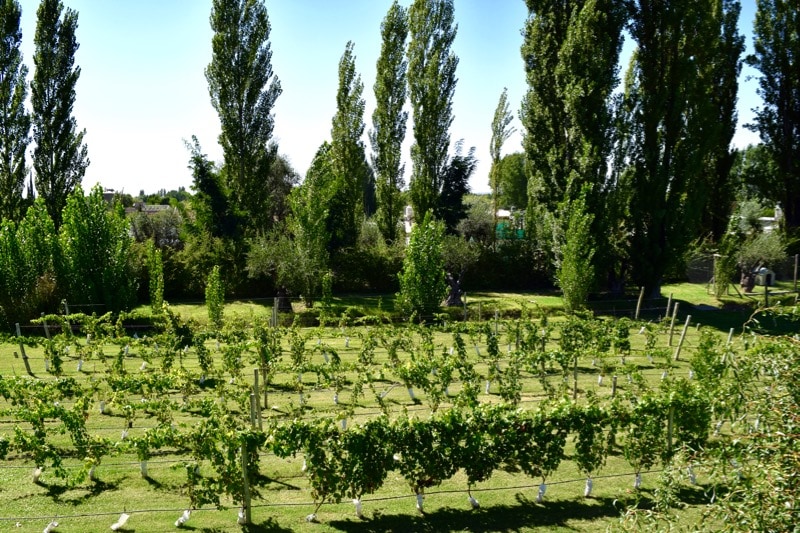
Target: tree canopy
x,y
389,120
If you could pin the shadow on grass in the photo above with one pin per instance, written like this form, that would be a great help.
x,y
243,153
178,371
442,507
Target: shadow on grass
x,y
696,495
730,315
91,490
273,484
734,317
171,488
720,319
268,526
524,514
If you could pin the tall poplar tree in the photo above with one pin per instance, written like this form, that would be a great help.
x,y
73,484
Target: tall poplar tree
x,y
570,51
243,91
60,158
512,181
501,131
721,79
777,56
349,163
670,123
543,113
15,123
389,120
431,86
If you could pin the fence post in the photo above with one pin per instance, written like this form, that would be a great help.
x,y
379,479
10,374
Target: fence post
x,y
639,303
669,305
683,336
613,386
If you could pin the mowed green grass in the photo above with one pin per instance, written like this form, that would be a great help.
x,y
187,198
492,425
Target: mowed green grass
x,y
697,299
508,499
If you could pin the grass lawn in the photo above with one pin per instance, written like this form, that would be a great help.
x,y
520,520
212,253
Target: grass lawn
x,y
696,299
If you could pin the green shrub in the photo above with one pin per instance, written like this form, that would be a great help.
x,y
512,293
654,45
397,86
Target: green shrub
x,y
575,274
422,280
155,268
215,297
96,250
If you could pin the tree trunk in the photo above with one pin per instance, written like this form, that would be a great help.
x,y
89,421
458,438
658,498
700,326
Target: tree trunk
x,y
616,283
454,296
652,290
283,302
748,281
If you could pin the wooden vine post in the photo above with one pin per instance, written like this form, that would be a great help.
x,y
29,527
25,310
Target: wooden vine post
x,y
245,487
639,303
683,336
22,352
246,518
670,424
256,399
672,322
66,312
575,378
46,328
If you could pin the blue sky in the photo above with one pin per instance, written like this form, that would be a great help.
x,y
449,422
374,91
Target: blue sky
x,y
142,90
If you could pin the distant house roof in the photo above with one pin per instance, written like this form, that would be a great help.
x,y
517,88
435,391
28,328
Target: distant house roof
x,y
148,209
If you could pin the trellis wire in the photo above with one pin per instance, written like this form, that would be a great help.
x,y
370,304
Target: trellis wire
x,y
312,503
